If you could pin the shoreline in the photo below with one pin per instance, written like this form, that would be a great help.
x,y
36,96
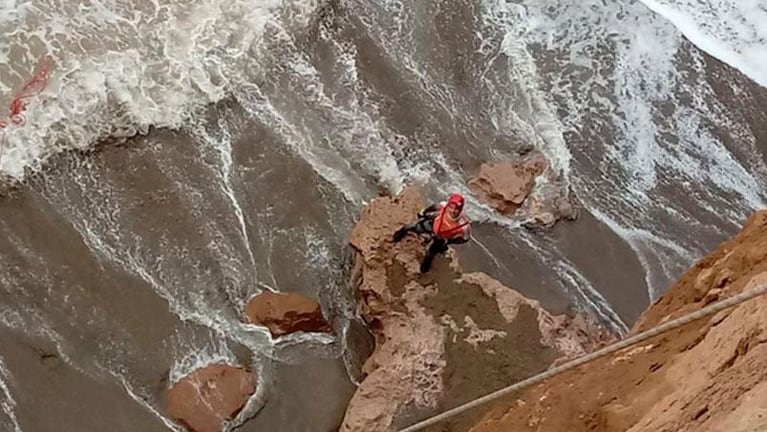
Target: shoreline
x,y
614,269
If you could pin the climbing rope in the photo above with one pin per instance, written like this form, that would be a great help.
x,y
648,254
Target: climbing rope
x,y
18,104
625,343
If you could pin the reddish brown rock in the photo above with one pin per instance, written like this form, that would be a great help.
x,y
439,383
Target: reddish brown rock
x,y
204,399
286,313
505,185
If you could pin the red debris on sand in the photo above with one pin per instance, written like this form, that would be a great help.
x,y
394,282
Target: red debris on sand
x,y
31,88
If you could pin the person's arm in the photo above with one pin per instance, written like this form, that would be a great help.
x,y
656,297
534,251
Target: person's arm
x,y
426,211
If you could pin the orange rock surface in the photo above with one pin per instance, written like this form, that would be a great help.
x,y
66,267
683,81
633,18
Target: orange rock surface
x,y
203,400
710,375
505,185
286,313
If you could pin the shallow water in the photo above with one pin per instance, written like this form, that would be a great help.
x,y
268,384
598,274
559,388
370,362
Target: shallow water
x,y
127,267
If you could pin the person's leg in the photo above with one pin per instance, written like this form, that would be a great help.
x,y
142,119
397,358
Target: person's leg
x,y
436,247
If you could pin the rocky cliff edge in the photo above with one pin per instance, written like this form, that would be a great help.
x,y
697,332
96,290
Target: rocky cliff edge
x,y
708,376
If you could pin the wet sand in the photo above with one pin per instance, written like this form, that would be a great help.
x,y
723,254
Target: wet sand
x,y
69,236
51,395
309,396
604,258
472,372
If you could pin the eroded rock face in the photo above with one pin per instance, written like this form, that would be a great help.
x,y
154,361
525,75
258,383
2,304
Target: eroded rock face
x,y
444,337
286,313
205,399
510,188
707,376
570,336
505,185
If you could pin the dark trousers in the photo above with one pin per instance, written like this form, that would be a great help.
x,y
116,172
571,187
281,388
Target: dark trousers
x,y
436,244
436,247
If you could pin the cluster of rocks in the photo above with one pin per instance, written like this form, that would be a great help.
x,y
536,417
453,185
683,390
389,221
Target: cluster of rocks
x,y
207,398
423,330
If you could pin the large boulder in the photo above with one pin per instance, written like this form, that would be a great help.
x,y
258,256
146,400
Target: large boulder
x,y
286,313
505,185
208,397
443,337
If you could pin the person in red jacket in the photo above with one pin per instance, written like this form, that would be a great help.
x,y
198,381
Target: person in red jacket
x,y
445,222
